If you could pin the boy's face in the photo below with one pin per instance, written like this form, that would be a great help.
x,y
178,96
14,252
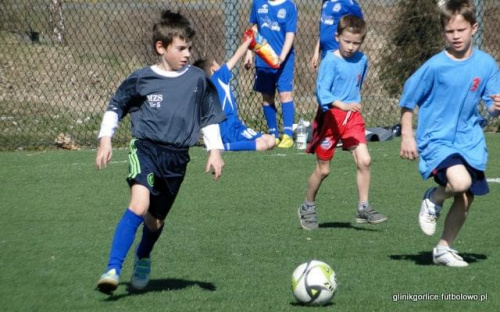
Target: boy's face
x,y
458,33
349,43
176,55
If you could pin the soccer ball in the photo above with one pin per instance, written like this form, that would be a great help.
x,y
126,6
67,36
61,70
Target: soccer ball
x,y
314,283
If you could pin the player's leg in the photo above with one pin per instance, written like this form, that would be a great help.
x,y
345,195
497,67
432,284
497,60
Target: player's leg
x,y
365,212
265,142
152,229
124,237
307,211
362,160
173,165
452,166
459,182
285,89
265,83
352,129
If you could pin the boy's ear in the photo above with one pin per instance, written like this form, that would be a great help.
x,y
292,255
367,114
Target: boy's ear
x,y
213,68
475,27
160,49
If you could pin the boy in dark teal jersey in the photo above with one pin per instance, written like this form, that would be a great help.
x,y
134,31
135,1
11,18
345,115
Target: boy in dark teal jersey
x,y
169,103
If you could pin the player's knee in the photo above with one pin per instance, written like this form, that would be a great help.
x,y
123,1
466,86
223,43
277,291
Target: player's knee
x,y
460,184
323,172
364,162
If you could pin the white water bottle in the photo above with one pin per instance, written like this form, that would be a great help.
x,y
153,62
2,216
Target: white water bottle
x,y
301,137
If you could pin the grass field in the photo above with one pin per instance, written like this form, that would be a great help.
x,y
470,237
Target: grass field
x,y
233,245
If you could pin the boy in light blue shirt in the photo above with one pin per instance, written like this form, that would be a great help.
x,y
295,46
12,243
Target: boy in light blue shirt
x,y
450,141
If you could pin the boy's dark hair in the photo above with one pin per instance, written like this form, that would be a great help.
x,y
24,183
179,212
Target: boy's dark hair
x,y
172,25
453,8
353,24
205,64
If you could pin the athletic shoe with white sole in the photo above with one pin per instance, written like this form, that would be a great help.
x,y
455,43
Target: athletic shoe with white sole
x,y
448,257
108,282
427,218
368,215
140,276
307,217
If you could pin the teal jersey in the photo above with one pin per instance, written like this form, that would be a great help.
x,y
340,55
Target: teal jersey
x,y
447,93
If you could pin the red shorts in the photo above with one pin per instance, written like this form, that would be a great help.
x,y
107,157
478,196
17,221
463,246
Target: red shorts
x,y
334,125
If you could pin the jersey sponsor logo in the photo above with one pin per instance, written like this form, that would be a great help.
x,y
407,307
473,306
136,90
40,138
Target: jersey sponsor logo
x,y
263,10
337,7
326,144
151,179
268,23
327,20
282,13
154,100
475,84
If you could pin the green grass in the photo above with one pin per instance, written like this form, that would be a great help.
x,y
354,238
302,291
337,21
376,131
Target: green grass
x,y
233,245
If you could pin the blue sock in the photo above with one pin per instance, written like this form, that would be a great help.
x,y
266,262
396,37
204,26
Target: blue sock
x,y
148,241
241,146
288,110
270,114
123,239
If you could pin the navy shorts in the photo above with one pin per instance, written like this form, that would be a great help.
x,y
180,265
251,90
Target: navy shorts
x,y
161,169
479,184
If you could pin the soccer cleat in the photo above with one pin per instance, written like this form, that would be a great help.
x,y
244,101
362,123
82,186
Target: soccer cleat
x,y
140,276
368,215
277,141
426,218
286,142
108,282
448,257
307,217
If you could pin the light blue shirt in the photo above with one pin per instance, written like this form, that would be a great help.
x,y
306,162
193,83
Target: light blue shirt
x,y
340,79
448,93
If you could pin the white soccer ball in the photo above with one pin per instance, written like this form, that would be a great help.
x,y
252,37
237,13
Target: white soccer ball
x,y
314,283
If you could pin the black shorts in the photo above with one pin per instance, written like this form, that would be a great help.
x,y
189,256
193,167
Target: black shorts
x,y
161,169
479,185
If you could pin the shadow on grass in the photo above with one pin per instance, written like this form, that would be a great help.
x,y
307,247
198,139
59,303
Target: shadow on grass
x,y
301,305
343,225
158,285
425,257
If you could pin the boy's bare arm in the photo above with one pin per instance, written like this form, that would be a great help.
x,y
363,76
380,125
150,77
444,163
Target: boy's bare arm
x,y
315,58
408,144
287,46
240,52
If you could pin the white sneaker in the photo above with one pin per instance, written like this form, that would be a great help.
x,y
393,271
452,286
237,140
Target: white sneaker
x,y
426,218
140,275
448,257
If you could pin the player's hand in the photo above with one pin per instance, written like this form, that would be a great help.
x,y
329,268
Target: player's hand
x,y
248,62
496,101
349,107
314,62
408,148
104,153
215,163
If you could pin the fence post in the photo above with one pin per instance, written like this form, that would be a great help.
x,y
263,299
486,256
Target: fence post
x,y
479,37
231,35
